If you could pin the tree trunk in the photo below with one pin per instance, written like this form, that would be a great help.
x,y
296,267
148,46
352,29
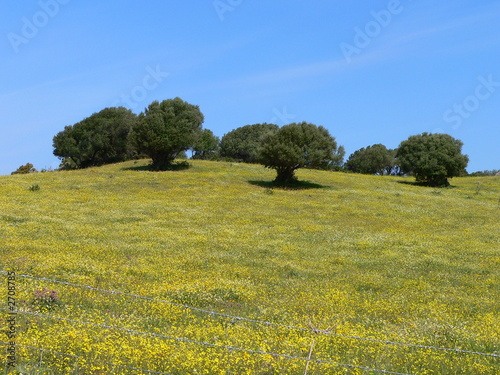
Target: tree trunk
x,y
285,175
161,162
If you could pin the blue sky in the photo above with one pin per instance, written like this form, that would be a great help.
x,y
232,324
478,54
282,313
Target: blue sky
x,y
369,71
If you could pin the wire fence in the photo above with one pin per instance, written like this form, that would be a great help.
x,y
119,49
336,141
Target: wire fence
x,y
307,360
229,348
77,357
261,322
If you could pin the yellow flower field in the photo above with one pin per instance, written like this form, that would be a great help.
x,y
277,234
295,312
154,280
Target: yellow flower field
x,y
344,259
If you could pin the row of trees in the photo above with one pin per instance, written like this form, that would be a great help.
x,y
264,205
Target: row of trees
x,y
162,132
493,172
165,130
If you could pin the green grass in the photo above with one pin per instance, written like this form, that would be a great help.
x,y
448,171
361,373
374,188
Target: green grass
x,y
366,256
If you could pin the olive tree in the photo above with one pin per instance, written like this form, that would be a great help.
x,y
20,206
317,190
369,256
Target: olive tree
x,y
371,160
165,130
299,145
207,145
243,143
432,158
101,138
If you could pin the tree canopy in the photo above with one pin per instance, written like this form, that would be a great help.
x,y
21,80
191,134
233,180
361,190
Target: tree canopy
x,y
432,158
99,139
299,145
371,160
167,129
207,145
243,143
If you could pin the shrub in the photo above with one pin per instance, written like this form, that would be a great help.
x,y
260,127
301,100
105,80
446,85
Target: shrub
x,y
25,169
34,187
45,299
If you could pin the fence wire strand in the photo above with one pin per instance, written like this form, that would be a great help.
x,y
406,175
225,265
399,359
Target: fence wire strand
x,y
243,319
81,357
190,341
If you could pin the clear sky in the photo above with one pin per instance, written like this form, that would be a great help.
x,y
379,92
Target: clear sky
x,y
369,71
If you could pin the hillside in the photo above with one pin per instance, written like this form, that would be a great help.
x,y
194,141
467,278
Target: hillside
x,y
365,256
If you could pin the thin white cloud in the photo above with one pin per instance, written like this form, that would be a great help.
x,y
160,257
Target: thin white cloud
x,y
293,73
329,68
39,86
82,76
451,25
389,50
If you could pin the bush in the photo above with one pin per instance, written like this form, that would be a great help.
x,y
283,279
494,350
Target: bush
x,y
484,173
25,169
34,187
45,300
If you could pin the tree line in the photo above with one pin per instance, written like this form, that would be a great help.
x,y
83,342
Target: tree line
x,y
167,129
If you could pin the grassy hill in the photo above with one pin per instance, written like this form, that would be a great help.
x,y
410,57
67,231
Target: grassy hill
x,y
365,256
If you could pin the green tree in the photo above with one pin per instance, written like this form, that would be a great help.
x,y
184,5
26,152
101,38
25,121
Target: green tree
x,y
494,172
244,142
337,163
432,158
167,129
25,169
371,160
299,145
99,139
207,145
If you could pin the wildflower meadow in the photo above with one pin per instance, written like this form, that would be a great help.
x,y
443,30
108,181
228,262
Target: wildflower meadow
x,y
213,270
